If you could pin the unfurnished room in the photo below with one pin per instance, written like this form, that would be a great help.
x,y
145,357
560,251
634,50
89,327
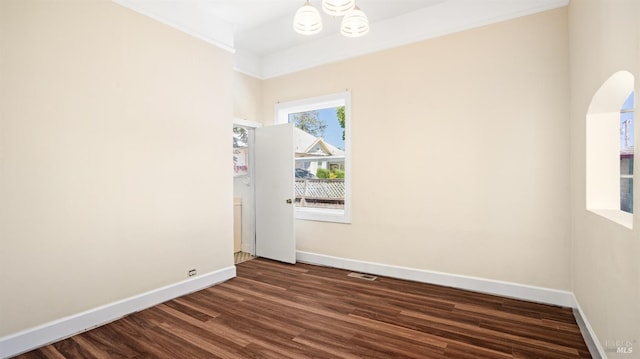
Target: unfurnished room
x,y
319,179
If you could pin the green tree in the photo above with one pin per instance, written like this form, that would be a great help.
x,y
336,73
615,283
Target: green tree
x,y
340,115
322,173
240,137
309,122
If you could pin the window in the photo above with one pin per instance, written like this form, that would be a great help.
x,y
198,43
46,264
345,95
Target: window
x,y
240,151
322,156
626,155
610,150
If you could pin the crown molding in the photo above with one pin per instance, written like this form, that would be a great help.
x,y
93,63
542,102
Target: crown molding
x,y
442,18
190,18
438,20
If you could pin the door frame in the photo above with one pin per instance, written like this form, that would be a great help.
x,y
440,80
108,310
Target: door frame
x,y
251,126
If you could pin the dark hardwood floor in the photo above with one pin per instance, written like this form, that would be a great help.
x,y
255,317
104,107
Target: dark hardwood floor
x,y
274,310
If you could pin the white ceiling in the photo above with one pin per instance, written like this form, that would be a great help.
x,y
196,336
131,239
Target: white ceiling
x,y
260,32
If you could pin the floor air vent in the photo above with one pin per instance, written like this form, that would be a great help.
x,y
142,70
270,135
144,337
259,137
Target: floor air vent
x,y
363,276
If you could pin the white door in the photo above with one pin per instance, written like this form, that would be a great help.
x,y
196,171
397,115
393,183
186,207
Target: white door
x,y
275,193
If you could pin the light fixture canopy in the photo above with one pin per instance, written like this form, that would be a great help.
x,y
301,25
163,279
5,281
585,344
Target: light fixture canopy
x,y
307,20
355,23
337,7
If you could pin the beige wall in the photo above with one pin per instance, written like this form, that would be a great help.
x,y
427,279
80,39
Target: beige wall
x,y
460,153
115,173
113,129
247,97
605,38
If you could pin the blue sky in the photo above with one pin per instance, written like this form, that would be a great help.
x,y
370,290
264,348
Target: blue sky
x,y
333,132
628,104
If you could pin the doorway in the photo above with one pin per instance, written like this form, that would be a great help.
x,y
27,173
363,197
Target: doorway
x,y
243,190
263,164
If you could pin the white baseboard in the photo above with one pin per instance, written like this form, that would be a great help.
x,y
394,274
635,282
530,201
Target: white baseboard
x,y
505,289
590,338
30,339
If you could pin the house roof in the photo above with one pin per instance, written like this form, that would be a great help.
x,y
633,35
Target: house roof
x,y
307,144
627,151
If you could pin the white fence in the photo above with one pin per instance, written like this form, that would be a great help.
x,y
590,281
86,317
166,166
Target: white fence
x,y
322,190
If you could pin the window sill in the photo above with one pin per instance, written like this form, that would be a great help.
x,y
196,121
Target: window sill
x,y
620,217
323,215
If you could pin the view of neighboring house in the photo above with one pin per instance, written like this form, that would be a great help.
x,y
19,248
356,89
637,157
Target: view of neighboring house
x,y
115,158
313,152
627,144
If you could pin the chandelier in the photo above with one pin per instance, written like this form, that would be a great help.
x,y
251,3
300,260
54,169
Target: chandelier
x,y
308,21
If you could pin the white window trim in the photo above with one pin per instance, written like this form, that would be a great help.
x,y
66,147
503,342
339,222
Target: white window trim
x,y
246,123
603,149
282,111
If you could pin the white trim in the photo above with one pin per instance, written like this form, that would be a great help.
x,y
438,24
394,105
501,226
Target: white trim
x,y
440,19
247,63
246,123
190,18
602,174
490,286
590,338
322,214
30,339
281,115
615,215
283,109
316,158
251,125
501,288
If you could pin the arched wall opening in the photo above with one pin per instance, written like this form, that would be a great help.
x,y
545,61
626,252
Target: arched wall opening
x,y
603,148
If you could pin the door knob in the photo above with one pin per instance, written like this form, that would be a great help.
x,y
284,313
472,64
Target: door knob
x,y
289,201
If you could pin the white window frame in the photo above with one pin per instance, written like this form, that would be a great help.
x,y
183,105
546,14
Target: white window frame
x,y
603,149
628,176
282,111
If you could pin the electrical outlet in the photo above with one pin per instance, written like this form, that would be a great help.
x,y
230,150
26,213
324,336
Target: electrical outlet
x,y
192,272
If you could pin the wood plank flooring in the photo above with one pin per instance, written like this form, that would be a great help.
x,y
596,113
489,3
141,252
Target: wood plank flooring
x,y
274,310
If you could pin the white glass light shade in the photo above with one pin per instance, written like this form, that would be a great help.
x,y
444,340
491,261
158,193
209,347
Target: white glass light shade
x,y
355,23
337,7
307,20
